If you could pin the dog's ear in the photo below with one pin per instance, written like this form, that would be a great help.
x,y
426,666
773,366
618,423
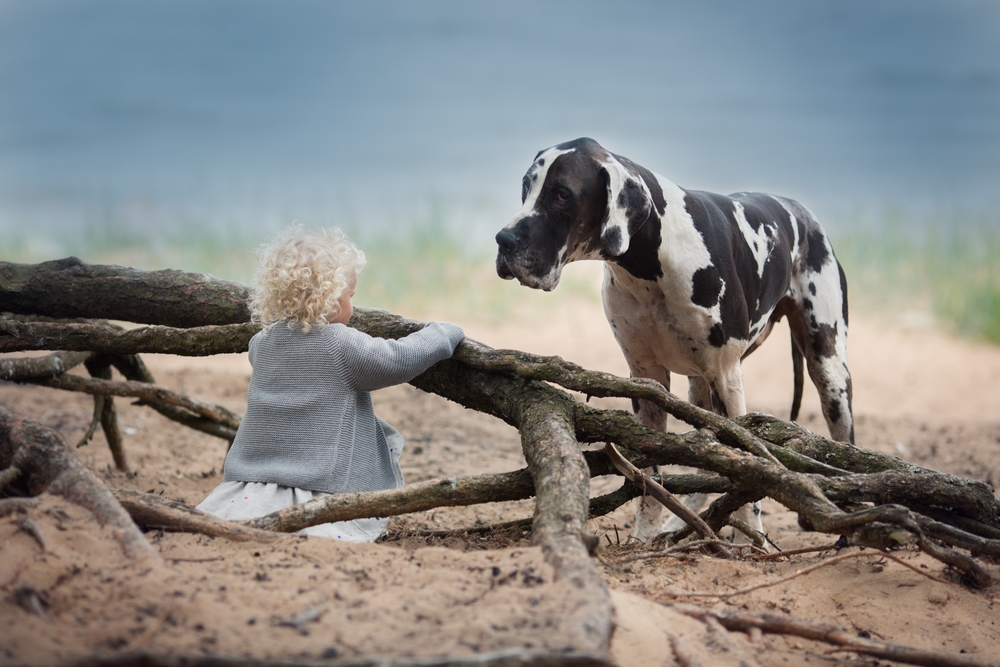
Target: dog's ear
x,y
629,204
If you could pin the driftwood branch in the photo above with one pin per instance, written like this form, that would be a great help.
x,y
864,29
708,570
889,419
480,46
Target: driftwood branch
x,y
29,368
156,512
72,288
48,465
668,500
105,413
146,392
202,341
831,634
751,457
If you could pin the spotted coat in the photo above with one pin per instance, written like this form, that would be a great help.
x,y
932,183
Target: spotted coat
x,y
694,281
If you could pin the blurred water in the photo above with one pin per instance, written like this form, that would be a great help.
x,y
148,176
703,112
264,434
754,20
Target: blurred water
x,y
165,118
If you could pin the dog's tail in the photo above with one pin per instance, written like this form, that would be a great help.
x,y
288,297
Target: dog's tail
x,y
797,380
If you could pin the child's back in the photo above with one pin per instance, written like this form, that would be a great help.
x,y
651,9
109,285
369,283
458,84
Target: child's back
x,y
309,427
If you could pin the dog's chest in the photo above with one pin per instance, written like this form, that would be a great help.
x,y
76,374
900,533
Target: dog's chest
x,y
654,326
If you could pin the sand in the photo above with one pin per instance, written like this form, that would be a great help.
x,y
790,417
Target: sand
x,y
919,394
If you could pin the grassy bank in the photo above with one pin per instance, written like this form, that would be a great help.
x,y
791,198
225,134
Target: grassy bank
x,y
422,271
943,272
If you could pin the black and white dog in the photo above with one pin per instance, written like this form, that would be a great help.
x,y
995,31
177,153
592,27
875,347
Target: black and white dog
x,y
693,281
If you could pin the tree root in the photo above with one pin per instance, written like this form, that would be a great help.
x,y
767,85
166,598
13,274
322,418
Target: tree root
x,y
830,634
156,512
72,288
146,392
48,465
752,457
667,499
203,341
28,368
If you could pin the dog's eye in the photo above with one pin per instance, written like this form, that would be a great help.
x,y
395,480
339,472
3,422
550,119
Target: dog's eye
x,y
561,195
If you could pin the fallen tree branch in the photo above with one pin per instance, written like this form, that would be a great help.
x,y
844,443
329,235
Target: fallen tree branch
x,y
132,367
146,392
105,413
48,465
419,497
169,297
831,634
16,336
513,386
28,368
667,499
877,527
593,383
156,512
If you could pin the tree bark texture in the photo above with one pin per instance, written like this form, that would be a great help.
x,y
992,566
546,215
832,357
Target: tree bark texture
x,y
759,456
43,463
173,298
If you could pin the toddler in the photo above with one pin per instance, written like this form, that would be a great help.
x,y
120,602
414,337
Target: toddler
x,y
309,427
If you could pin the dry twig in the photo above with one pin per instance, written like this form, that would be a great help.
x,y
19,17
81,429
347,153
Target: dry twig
x,y
799,573
648,486
831,634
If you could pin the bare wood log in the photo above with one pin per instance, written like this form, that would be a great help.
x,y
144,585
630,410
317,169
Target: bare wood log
x,y
48,465
197,341
500,395
156,512
832,634
169,297
27,368
132,367
561,479
843,456
192,421
797,492
918,490
880,527
100,368
592,383
447,492
667,499
147,392
147,509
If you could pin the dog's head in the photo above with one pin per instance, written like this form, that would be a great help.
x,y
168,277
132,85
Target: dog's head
x,y
579,202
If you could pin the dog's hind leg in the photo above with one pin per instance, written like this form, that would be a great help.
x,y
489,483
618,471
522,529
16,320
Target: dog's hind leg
x,y
820,329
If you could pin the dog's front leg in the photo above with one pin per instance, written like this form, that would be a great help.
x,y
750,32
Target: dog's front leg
x,y
649,512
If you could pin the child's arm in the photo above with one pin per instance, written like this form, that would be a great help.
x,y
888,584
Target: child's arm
x,y
374,363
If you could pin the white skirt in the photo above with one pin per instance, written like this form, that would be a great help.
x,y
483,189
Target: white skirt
x,y
237,501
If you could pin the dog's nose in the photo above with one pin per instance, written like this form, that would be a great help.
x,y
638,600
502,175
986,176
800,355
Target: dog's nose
x,y
506,239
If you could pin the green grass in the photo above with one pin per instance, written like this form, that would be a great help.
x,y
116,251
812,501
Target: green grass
x,y
947,267
423,271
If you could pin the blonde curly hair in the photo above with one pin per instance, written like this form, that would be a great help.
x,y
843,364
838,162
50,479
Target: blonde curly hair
x,y
302,276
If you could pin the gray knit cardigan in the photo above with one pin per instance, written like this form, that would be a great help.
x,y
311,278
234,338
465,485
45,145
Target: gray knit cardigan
x,y
309,421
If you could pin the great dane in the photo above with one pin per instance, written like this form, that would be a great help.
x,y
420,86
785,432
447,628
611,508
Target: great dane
x,y
693,282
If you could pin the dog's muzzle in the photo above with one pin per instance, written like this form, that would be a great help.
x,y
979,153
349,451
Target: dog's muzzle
x,y
506,243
